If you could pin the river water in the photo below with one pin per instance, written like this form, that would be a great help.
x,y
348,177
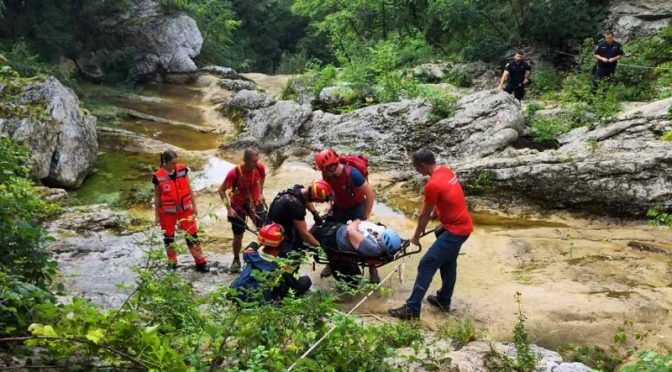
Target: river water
x,y
580,278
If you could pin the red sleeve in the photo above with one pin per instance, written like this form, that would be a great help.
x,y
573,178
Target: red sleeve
x,y
230,180
431,194
262,170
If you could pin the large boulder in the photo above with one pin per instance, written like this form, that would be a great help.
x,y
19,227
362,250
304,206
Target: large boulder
x,y
482,124
165,45
249,100
621,167
638,18
274,126
63,142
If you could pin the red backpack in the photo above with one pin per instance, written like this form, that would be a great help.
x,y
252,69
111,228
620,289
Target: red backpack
x,y
360,162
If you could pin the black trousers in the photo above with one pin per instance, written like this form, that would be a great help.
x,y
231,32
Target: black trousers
x,y
518,90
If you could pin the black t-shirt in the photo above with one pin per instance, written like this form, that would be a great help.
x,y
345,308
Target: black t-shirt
x,y
287,209
173,176
608,51
517,71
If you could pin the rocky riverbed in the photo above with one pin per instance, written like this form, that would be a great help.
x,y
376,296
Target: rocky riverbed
x,y
580,276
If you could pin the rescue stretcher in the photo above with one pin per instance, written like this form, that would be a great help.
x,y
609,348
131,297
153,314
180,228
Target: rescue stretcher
x,y
349,264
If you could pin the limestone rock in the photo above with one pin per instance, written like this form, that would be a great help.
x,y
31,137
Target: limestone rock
x,y
638,18
64,145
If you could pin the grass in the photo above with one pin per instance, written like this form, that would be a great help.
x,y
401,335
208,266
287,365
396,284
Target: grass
x,y
460,331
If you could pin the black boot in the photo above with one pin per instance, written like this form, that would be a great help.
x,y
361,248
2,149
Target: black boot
x,y
404,313
203,267
442,305
172,266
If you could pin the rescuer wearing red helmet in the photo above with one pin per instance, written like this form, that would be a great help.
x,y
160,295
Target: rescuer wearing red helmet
x,y
353,195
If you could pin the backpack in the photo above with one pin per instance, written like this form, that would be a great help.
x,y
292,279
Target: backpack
x,y
360,162
294,191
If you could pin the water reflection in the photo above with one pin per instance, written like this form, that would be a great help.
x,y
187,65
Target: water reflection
x,y
213,173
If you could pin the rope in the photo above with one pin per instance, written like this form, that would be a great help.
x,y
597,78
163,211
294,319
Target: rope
x,y
318,342
619,63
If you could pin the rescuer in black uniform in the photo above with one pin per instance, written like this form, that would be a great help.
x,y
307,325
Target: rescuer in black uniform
x,y
607,53
517,71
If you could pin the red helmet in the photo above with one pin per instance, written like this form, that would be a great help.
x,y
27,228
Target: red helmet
x,y
270,235
325,158
320,191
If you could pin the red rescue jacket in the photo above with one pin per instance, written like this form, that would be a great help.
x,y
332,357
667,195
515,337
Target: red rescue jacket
x,y
174,195
346,195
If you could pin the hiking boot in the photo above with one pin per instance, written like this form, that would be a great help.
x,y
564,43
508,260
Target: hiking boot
x,y
404,313
374,278
235,266
442,305
172,266
203,267
326,272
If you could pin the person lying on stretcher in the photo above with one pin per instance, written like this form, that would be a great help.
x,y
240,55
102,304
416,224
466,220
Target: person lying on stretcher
x,y
368,239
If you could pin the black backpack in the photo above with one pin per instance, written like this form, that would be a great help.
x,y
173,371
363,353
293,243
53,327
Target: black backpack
x,y
294,191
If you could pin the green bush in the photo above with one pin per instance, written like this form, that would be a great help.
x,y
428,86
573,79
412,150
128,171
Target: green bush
x,y
546,80
21,235
165,325
658,217
293,63
533,107
548,128
22,304
649,361
458,76
27,63
443,104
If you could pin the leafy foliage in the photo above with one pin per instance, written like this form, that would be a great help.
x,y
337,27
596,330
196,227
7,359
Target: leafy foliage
x,y
546,80
548,128
21,235
659,217
165,325
649,361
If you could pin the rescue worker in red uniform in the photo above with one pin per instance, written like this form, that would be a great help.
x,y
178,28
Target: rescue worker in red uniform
x,y
353,196
246,199
176,205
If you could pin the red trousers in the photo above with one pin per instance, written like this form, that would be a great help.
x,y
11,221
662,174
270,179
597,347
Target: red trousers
x,y
187,223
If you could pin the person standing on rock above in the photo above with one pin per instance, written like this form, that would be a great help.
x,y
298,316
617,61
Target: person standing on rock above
x,y
444,199
288,209
353,196
246,199
516,75
607,53
176,205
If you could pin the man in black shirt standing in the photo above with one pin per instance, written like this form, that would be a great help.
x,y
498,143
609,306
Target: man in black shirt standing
x,y
607,53
517,71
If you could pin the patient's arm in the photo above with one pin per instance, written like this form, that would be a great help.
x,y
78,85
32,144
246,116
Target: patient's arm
x,y
354,236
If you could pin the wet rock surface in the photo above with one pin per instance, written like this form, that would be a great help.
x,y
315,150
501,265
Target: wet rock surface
x,y
97,255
